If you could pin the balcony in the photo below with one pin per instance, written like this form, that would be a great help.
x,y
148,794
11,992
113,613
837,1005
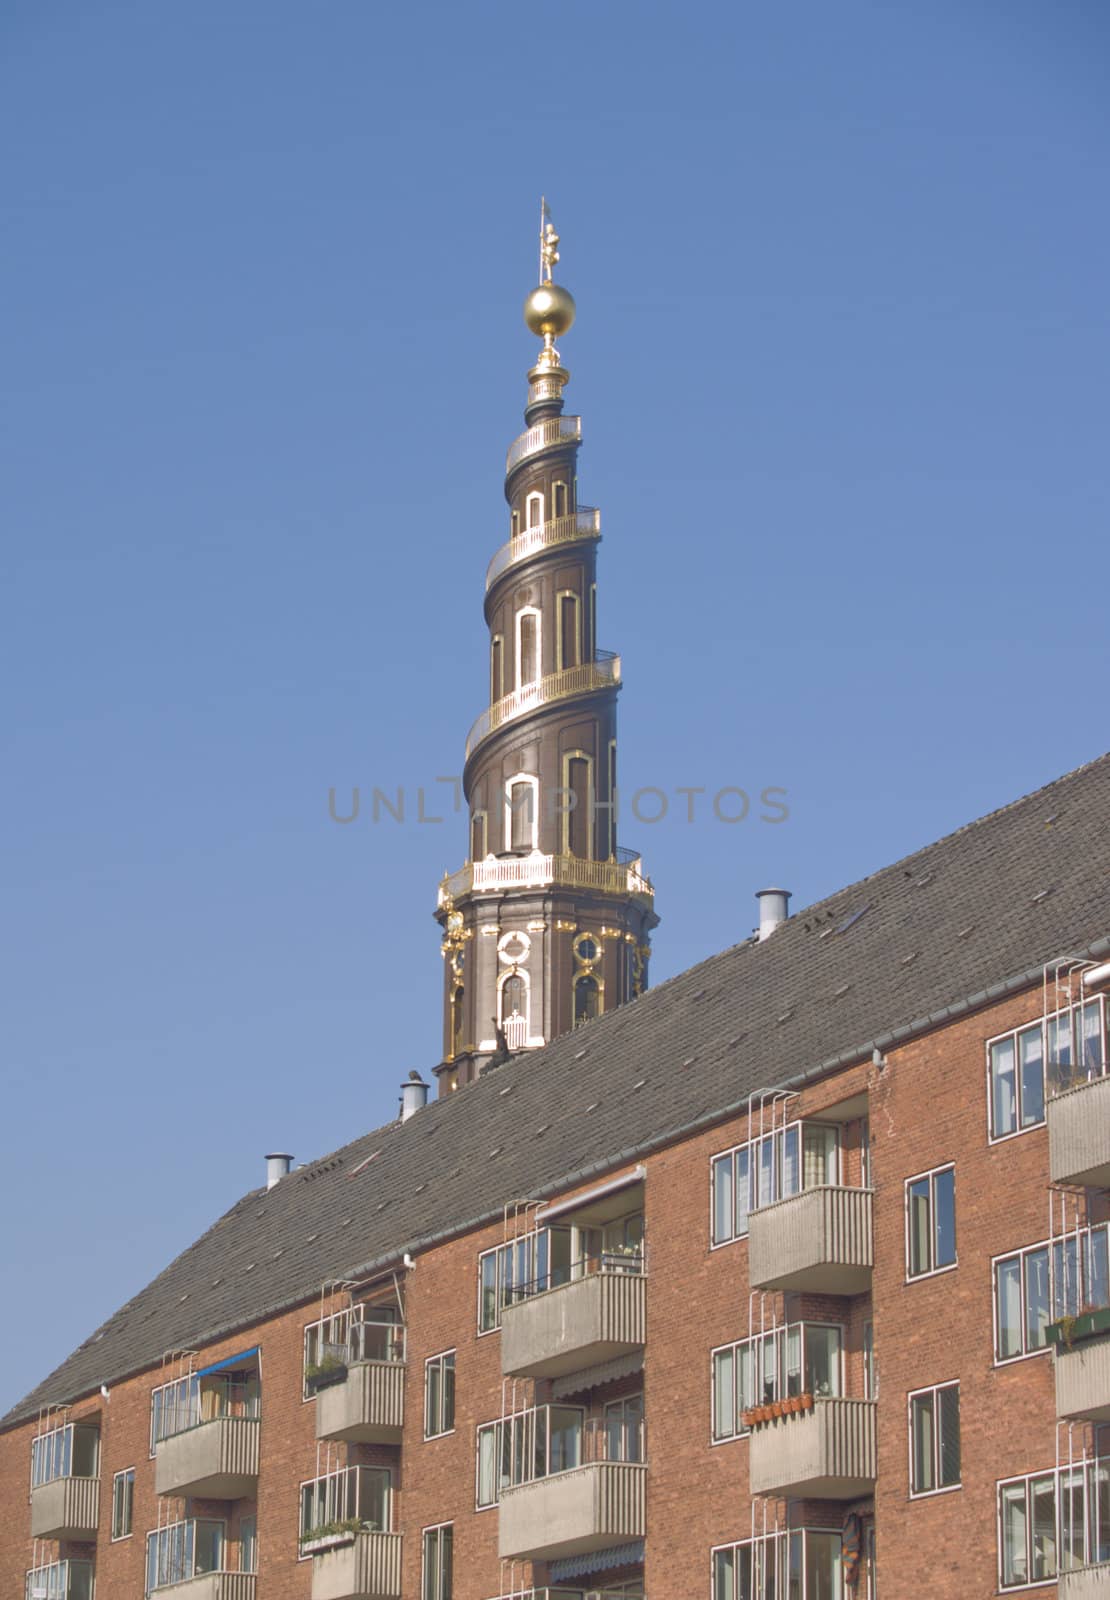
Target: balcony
x,y
588,1508
537,871
66,1508
585,523
61,1580
577,1324
818,1241
212,1586
562,1593
359,1566
825,1451
1079,1134
544,436
213,1460
368,1407
604,672
1083,1379
1085,1583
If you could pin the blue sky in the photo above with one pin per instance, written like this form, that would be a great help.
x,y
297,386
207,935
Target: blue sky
x,y
841,356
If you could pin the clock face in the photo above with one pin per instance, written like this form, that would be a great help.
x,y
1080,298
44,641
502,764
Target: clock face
x,y
513,947
455,921
587,948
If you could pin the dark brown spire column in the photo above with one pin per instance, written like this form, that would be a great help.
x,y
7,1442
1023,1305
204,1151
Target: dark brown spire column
x,y
547,924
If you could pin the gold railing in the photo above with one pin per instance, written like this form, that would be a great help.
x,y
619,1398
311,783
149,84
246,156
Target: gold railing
x,y
556,430
537,871
584,523
600,674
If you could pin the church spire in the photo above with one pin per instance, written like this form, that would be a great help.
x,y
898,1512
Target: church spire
x,y
546,925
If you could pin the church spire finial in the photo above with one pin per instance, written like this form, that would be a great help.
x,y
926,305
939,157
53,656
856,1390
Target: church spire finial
x,y
549,311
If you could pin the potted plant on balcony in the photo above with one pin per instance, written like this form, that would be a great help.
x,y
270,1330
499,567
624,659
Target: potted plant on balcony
x,y
330,1535
321,1374
1089,1323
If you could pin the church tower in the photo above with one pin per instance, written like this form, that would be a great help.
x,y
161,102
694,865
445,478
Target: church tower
x,y
547,924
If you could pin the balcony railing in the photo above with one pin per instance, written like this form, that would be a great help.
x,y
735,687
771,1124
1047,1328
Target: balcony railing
x,y
357,1566
819,1241
604,672
813,1449
585,523
61,1580
368,1406
1085,1583
555,431
211,1586
214,1460
1082,1363
1079,1132
65,1508
537,871
590,1507
556,1328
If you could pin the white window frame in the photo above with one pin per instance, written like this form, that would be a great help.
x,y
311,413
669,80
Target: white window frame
x,y
1051,1246
440,1592
752,1146
534,501
518,680
758,1339
560,638
335,1474
529,1245
482,818
1085,1471
183,1522
532,782
933,1389
1043,1023
781,1537
591,794
190,1386
502,980
127,1472
526,1423
339,1324
497,681
439,1359
932,1174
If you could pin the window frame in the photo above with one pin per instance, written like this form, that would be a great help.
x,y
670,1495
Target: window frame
x,y
934,1390
1050,1246
1042,1022
530,781
440,1359
441,1591
932,1271
519,681
750,1146
129,1533
342,1472
1086,1472
190,1383
528,1241
523,1427
782,1538
772,1336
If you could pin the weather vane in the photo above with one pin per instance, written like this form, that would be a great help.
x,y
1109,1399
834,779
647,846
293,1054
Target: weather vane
x,y
549,243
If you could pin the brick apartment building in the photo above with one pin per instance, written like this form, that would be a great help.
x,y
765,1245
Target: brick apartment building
x,y
785,1280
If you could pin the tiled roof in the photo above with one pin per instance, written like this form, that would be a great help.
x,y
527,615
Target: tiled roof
x,y
955,923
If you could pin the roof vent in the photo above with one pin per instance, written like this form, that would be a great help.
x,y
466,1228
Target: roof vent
x,y
774,907
414,1095
277,1167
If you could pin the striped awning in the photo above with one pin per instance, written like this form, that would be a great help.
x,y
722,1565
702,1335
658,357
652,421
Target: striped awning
x,y
594,1377
621,1555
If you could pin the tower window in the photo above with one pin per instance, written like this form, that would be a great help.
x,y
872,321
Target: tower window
x,y
533,510
457,996
587,1000
579,801
520,822
570,649
496,668
558,499
478,845
527,647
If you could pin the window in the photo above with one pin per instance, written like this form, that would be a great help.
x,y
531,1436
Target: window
x,y
248,1544
803,1564
439,1394
569,641
506,1275
578,804
931,1222
552,1256
802,1155
528,1445
496,668
69,1452
183,1550
533,510
558,499
60,1580
1051,1522
870,1370
352,1494
624,1429
1071,1045
1034,1286
173,1408
478,846
935,1439
800,1358
521,794
458,998
527,647
438,1563
587,1000
123,1504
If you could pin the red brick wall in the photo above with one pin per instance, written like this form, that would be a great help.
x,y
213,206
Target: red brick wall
x,y
927,1107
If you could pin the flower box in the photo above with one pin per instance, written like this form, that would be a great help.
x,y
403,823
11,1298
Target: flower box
x,y
1072,1330
326,1541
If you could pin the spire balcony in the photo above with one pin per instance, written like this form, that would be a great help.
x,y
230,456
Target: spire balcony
x,y
585,523
604,672
544,436
537,871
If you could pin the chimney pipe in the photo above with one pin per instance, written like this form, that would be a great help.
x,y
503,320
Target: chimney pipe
x,y
774,907
414,1095
277,1167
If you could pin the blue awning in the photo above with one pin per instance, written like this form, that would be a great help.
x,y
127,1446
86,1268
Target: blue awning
x,y
230,1361
623,1555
